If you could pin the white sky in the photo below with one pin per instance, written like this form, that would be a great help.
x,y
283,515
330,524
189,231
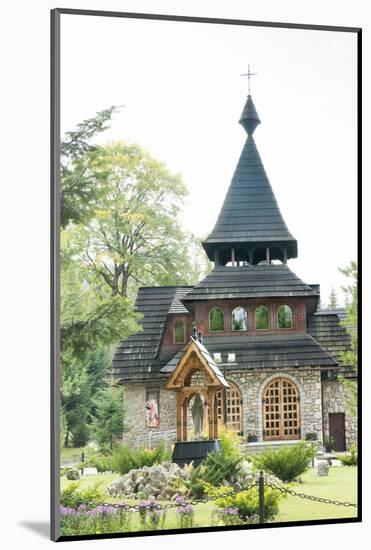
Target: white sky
x,y
183,95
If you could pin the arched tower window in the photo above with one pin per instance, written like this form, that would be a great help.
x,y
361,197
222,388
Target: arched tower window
x,y
231,410
239,319
216,320
284,317
179,332
262,318
281,411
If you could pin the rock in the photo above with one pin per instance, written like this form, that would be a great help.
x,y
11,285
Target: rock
x,y
173,468
73,474
323,469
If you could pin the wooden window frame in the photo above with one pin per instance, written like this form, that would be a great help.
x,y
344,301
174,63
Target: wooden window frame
x,y
231,405
292,318
281,417
269,318
174,332
247,320
210,312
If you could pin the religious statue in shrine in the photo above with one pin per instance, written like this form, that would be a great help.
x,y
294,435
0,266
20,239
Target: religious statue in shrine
x,y
198,415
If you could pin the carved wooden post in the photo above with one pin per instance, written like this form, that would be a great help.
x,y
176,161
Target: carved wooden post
x,y
215,407
184,418
211,414
178,416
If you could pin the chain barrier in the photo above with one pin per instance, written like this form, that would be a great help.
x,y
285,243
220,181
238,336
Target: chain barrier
x,y
310,497
194,502
158,506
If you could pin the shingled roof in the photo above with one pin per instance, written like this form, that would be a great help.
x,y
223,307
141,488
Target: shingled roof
x,y
250,213
265,352
137,355
251,281
324,326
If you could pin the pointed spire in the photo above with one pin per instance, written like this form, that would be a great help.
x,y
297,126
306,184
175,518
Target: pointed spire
x,y
249,118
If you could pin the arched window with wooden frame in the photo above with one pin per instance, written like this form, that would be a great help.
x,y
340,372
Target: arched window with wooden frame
x,y
281,410
229,407
262,321
179,332
239,319
216,320
284,317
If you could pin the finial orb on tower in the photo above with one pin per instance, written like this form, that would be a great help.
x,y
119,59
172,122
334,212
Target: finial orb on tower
x,y
249,118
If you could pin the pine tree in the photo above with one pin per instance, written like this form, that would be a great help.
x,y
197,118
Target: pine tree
x,y
333,299
108,425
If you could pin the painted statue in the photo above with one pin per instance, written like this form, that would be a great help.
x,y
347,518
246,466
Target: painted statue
x,y
198,415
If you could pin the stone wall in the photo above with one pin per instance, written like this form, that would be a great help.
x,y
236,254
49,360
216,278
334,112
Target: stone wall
x,y
252,385
135,401
335,400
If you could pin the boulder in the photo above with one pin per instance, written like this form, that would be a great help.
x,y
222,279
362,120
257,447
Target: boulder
x,y
323,469
73,474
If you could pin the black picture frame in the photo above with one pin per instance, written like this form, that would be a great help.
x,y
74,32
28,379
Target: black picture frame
x,y
55,251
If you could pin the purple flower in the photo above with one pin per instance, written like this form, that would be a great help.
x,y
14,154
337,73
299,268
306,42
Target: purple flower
x,y
185,510
229,511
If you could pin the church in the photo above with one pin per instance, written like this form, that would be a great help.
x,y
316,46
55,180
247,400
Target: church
x,y
258,322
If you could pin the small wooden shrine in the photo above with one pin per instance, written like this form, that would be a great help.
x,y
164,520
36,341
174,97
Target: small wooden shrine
x,y
195,374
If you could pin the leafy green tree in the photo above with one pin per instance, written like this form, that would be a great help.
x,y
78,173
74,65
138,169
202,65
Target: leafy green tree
x,y
108,425
350,357
333,300
79,192
135,237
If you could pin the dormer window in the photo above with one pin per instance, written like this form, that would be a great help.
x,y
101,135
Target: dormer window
x,y
179,332
216,320
284,317
239,319
262,318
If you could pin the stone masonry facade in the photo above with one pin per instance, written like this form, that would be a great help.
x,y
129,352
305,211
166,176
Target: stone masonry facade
x,y
251,386
335,400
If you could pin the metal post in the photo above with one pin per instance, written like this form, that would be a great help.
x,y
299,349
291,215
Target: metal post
x,y
261,497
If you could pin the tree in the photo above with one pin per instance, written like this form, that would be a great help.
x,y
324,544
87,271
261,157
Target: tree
x,y
79,192
350,357
333,300
108,425
135,237
91,320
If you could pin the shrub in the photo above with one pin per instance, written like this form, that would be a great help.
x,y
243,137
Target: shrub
x,y
286,463
311,436
216,469
72,497
349,459
230,443
125,458
252,438
328,443
246,502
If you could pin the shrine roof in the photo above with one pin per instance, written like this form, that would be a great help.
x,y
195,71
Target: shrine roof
x,y
251,281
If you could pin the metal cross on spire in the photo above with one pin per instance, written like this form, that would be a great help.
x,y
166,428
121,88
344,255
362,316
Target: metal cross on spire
x,y
249,74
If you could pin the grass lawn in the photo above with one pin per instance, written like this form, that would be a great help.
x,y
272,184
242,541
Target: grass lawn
x,y
341,484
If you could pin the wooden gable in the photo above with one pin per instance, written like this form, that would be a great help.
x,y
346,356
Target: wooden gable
x,y
196,361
